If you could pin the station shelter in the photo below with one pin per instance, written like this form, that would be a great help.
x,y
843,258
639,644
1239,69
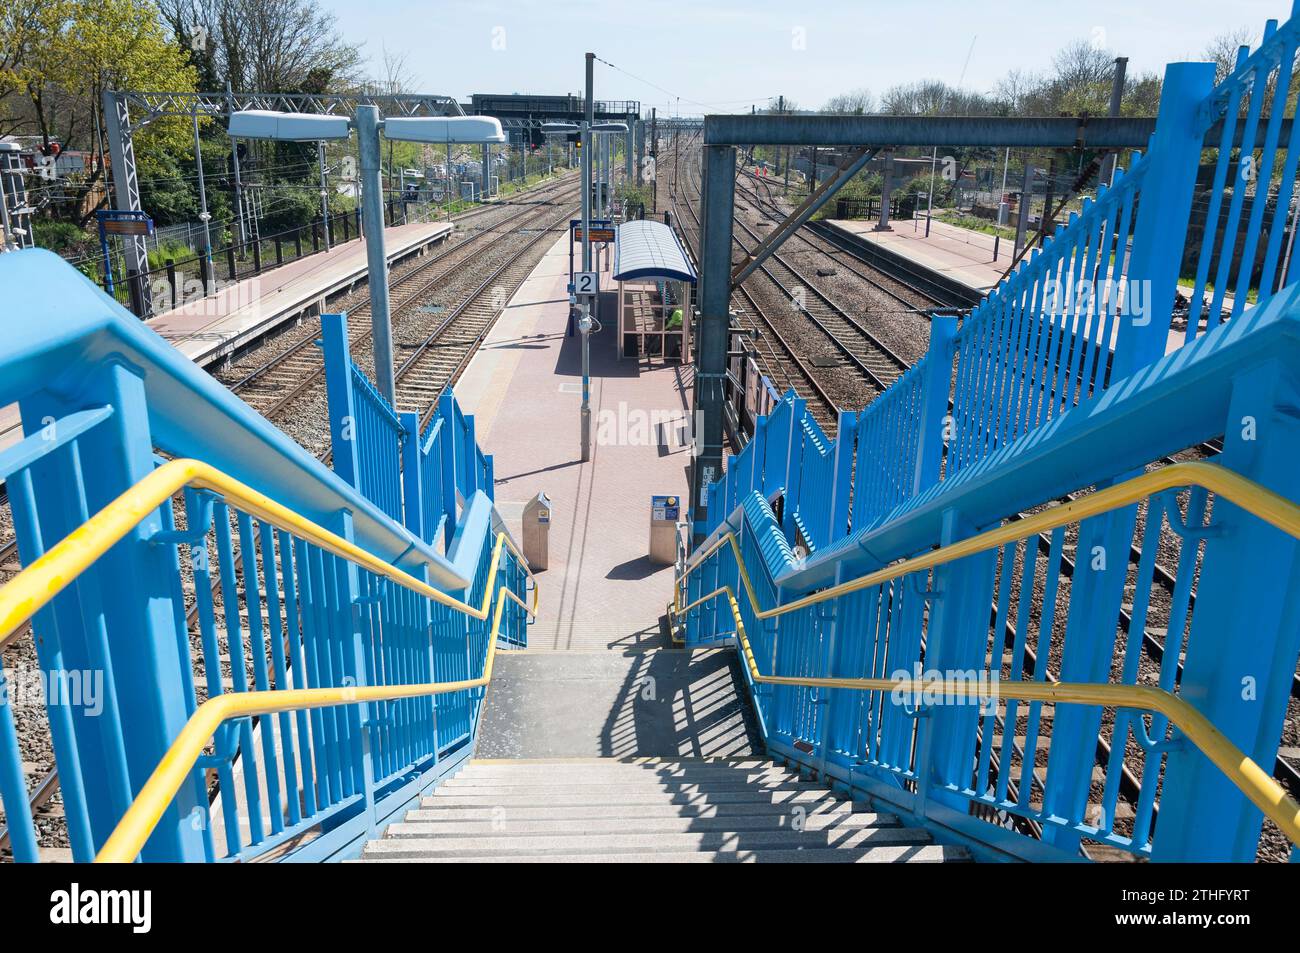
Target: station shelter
x,y
655,281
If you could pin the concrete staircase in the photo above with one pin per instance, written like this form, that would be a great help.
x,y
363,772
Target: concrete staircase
x,y
646,810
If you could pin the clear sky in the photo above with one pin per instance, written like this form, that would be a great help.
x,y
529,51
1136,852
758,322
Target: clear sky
x,y
722,56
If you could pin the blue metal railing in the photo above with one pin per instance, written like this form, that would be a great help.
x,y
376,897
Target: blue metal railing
x,y
1041,341
1069,376
1230,252
1022,611
419,480
208,594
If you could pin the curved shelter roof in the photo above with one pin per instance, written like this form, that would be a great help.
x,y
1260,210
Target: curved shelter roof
x,y
647,249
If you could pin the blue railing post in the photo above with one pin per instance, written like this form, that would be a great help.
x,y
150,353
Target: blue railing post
x,y
1162,217
845,439
1241,652
1101,564
412,478
353,619
472,476
341,399
135,650
934,402
757,447
955,647
450,441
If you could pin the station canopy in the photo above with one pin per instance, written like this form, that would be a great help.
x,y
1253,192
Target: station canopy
x,y
646,249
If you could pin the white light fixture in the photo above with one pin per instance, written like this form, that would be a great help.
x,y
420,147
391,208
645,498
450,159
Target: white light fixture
x,y
457,130
289,127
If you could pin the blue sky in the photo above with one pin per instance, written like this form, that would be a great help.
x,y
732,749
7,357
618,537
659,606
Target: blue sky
x,y
723,56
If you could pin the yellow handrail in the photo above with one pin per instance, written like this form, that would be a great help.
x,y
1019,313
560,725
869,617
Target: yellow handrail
x,y
128,838
1247,494
1240,769
45,578
37,584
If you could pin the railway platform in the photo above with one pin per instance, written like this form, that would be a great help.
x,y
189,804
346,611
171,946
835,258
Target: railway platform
x,y
957,255
524,389
210,330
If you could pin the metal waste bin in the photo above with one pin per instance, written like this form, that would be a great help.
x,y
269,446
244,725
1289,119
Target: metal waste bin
x,y
537,531
664,512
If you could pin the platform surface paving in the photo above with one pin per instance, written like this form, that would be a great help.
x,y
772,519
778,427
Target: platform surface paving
x,y
600,590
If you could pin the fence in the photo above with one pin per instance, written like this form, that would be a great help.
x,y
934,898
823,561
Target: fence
x,y
1152,581
1098,301
240,592
417,479
1066,380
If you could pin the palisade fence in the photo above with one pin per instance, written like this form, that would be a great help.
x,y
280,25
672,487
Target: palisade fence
x,y
1069,378
418,479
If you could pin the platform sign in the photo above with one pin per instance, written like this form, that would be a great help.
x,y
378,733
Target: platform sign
x,y
602,229
598,234
119,222
586,282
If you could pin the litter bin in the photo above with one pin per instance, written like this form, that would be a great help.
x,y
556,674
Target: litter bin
x,y
664,513
537,531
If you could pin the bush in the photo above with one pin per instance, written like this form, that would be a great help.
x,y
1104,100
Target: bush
x,y
64,238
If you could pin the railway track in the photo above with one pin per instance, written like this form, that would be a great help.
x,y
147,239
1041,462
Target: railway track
x,y
782,362
847,363
905,290
281,382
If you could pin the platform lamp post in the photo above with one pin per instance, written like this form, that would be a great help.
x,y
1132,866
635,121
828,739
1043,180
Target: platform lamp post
x,y
583,301
309,127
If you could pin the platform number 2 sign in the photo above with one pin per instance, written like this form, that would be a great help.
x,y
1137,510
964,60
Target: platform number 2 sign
x,y
585,283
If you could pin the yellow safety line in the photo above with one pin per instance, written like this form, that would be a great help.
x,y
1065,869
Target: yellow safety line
x,y
45,578
1249,777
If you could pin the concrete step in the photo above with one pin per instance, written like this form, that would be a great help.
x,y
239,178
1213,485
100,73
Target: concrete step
x,y
421,823
406,842
561,764
603,788
892,854
646,810
574,779
494,773
439,811
614,797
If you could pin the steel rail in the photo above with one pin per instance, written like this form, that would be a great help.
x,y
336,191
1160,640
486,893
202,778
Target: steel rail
x,y
835,249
